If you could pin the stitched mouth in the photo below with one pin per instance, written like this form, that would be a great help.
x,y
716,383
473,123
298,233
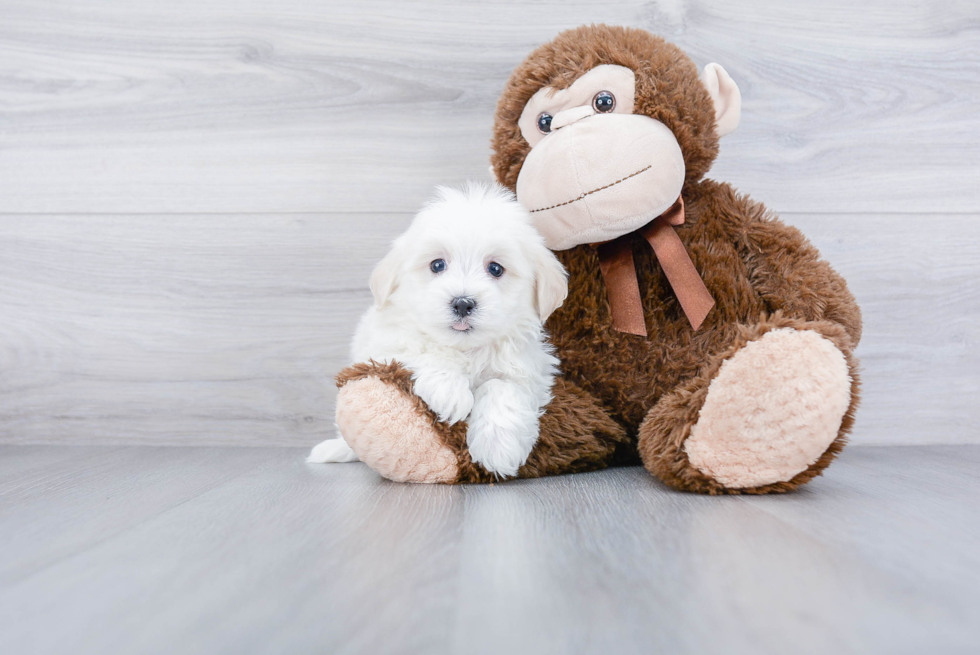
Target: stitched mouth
x,y
589,193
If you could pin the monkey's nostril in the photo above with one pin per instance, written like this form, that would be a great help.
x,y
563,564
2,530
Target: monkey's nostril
x,y
462,307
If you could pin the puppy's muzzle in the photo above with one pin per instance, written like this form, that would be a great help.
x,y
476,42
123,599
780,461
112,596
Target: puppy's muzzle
x,y
463,307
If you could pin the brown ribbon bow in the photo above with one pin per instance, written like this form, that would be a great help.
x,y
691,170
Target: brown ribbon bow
x,y
619,273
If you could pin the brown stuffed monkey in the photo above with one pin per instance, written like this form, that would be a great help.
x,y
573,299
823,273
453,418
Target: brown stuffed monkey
x,y
701,337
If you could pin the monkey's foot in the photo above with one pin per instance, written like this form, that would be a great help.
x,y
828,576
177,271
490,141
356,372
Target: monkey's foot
x,y
392,430
389,428
768,416
772,410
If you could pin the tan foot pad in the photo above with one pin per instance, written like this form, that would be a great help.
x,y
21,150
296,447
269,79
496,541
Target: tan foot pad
x,y
387,432
772,410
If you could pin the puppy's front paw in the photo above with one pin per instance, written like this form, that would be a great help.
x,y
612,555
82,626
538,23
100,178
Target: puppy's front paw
x,y
446,393
503,428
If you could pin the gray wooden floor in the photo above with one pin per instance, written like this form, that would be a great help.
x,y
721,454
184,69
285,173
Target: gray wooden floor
x,y
251,550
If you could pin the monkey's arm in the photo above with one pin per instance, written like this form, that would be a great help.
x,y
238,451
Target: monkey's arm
x,y
789,273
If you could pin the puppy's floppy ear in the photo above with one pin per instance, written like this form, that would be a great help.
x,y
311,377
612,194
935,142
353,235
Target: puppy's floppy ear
x,y
550,282
384,277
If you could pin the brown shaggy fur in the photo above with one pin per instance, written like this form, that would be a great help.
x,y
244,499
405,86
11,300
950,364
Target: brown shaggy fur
x,y
624,398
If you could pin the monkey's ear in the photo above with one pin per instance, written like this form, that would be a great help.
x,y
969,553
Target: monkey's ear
x,y
384,277
726,96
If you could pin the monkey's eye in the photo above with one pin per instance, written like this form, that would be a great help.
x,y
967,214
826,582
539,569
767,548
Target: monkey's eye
x,y
495,269
437,265
604,102
544,123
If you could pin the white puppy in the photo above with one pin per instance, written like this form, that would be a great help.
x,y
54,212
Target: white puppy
x,y
460,300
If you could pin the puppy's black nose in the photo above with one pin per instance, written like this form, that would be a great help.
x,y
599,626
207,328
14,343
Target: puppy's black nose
x,y
463,306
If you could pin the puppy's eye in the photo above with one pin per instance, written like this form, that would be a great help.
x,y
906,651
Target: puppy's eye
x,y
544,123
437,265
495,269
604,102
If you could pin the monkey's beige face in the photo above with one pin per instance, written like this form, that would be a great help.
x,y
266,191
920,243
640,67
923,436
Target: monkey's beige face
x,y
596,170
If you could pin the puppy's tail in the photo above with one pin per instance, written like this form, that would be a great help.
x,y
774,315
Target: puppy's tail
x,y
331,450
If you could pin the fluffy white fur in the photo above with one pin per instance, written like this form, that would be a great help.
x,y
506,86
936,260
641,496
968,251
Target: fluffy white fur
x,y
491,367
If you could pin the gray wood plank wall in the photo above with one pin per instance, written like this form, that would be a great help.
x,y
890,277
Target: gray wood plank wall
x,y
192,194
